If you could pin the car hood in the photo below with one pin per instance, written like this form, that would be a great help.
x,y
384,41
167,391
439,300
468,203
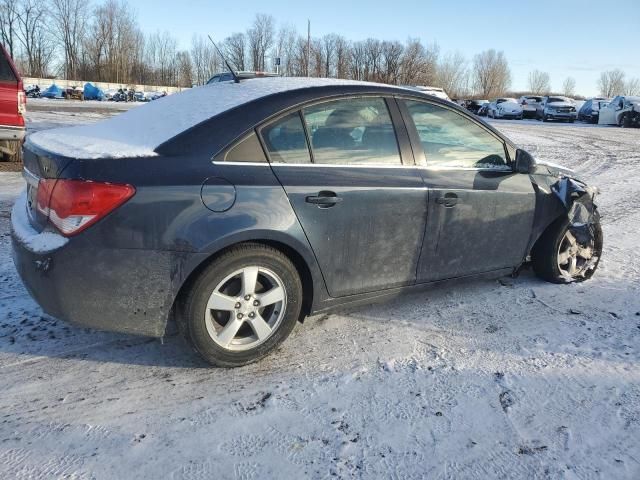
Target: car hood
x,y
560,104
554,170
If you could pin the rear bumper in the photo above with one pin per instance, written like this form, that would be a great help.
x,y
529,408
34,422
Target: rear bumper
x,y
119,290
11,133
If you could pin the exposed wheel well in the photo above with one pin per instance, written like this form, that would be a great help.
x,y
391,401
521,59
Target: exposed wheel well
x,y
297,260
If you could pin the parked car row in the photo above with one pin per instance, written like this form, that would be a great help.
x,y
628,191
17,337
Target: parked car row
x,y
623,111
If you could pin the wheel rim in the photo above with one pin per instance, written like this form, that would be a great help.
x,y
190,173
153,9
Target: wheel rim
x,y
574,259
245,308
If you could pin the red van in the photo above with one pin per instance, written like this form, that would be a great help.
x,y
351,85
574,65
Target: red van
x,y
13,105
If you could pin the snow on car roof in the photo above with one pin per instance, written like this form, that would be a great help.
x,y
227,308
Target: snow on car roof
x,y
140,131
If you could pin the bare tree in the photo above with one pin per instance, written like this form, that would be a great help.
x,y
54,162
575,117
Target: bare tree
x,y
391,63
235,48
632,87
453,74
285,49
357,61
205,59
260,38
343,57
569,87
9,23
419,63
491,73
539,82
185,69
70,25
34,38
328,48
611,83
316,69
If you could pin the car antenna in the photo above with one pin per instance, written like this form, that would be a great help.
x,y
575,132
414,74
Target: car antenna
x,y
233,73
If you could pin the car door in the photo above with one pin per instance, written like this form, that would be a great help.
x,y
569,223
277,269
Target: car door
x,y
480,211
608,113
362,210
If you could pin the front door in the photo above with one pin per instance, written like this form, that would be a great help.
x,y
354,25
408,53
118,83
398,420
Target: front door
x,y
362,210
480,211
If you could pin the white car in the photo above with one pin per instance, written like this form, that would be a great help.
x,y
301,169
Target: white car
x,y
623,111
556,108
505,108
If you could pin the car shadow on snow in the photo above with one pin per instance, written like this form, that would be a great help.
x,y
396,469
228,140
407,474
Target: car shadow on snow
x,y
493,314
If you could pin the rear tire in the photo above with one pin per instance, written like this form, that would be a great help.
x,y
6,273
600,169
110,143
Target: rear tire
x,y
549,253
242,306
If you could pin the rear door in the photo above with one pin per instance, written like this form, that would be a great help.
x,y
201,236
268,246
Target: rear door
x,y
480,211
363,210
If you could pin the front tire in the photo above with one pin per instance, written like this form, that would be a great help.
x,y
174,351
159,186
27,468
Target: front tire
x,y
559,257
242,306
625,121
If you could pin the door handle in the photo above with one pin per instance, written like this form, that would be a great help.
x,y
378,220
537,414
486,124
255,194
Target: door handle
x,y
449,200
324,199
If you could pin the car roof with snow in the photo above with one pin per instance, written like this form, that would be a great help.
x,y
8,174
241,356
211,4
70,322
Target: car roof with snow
x,y
140,131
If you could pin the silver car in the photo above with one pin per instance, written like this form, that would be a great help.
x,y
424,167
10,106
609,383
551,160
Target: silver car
x,y
556,108
529,104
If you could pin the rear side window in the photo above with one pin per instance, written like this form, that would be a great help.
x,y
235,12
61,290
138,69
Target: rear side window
x,y
286,141
6,73
352,131
246,150
451,140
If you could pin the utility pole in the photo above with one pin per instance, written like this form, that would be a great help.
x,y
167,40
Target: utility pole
x,y
308,45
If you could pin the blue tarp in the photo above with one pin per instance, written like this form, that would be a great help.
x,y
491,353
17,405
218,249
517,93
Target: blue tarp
x,y
91,92
53,91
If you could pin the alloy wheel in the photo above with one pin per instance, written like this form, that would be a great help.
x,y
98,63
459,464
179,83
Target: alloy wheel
x,y
245,308
574,259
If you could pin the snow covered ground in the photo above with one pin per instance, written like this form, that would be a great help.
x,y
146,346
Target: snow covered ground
x,y
514,379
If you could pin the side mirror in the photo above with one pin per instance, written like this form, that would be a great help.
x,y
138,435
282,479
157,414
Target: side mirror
x,y
524,162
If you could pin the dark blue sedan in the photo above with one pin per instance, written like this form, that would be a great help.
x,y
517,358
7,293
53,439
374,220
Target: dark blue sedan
x,y
235,209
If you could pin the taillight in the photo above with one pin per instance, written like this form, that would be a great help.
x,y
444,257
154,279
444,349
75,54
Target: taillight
x,y
22,103
73,205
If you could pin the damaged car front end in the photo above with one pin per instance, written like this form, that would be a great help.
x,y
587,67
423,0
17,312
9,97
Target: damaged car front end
x,y
578,247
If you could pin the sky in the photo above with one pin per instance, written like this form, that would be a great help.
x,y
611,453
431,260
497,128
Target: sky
x,y
577,38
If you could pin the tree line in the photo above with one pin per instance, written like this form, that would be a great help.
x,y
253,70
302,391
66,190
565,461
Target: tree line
x,y
610,84
78,40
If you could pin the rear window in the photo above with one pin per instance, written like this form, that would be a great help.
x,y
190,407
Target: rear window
x,y
557,99
6,72
352,131
286,140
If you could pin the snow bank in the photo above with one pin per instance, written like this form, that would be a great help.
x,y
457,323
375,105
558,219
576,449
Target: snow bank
x,y
35,242
139,132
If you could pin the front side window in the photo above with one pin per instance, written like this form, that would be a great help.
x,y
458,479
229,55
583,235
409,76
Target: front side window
x,y
352,131
451,140
286,141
